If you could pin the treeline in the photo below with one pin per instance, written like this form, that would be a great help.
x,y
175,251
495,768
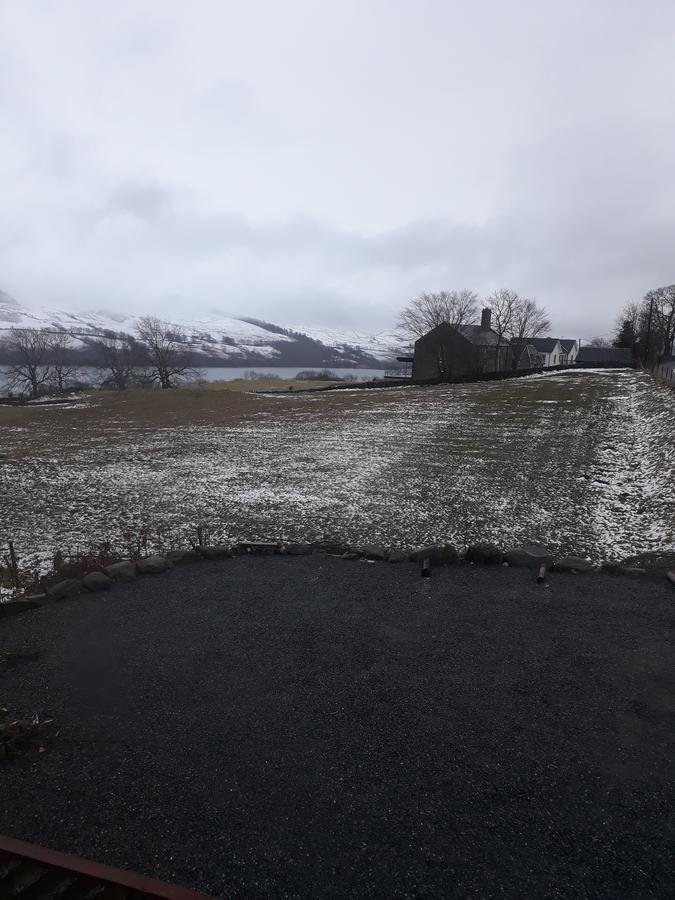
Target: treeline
x,y
647,326
41,361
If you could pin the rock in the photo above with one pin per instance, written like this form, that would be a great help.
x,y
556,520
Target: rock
x,y
612,568
397,556
96,581
68,588
635,572
121,571
351,554
573,564
529,556
257,547
218,551
152,565
14,607
331,547
485,554
438,555
298,549
374,552
671,577
181,557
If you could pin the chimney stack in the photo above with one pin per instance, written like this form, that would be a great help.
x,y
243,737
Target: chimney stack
x,y
485,319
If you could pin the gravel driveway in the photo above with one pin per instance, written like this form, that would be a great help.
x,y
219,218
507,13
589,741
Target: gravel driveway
x,y
314,728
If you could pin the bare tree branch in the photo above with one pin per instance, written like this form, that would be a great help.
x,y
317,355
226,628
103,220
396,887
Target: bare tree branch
x,y
121,358
429,310
62,368
30,371
167,351
528,320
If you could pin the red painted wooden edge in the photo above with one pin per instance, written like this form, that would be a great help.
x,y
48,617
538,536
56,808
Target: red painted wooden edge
x,y
107,874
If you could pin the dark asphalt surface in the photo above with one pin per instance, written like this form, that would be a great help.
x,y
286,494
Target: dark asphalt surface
x,y
314,728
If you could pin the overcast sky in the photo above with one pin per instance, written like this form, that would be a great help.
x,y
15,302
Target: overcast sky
x,y
320,162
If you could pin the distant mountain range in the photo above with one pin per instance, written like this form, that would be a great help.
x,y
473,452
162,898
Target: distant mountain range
x,y
220,340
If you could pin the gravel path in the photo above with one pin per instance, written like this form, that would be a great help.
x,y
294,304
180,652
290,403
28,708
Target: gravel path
x,y
311,727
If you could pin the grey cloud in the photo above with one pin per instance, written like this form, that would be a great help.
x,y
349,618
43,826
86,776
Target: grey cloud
x,y
157,156
142,199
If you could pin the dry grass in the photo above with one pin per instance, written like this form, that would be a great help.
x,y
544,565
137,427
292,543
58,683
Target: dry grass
x,y
580,462
106,417
276,385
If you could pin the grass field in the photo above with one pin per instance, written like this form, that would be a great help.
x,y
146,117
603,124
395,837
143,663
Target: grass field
x,y
583,462
266,384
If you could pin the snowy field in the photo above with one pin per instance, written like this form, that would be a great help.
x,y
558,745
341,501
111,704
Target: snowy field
x,y
583,462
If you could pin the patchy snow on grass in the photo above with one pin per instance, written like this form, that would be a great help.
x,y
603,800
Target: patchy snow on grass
x,y
583,463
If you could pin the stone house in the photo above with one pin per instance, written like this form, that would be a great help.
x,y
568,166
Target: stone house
x,y
457,351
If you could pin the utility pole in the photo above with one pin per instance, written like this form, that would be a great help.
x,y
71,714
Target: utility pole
x,y
649,328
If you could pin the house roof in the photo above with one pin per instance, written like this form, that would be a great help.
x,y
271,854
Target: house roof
x,y
543,345
567,344
605,354
481,337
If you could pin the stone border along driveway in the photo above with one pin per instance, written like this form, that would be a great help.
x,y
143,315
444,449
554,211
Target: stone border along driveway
x,y
530,556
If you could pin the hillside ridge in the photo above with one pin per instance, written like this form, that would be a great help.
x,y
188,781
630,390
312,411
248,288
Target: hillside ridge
x,y
217,339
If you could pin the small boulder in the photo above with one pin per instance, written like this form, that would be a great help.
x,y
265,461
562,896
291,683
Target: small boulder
x,y
68,588
331,547
485,554
374,552
635,572
152,565
611,567
121,571
443,555
96,581
573,564
260,548
351,554
397,556
671,577
529,556
298,549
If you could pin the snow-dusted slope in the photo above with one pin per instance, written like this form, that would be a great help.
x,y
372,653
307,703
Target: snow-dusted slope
x,y
218,337
381,344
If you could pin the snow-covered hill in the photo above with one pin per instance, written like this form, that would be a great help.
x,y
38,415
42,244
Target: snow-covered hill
x,y
220,340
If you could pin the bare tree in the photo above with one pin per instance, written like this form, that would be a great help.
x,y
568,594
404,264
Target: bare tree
x,y
599,341
167,352
62,367
429,310
527,321
661,316
502,303
30,369
632,313
515,320
121,358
